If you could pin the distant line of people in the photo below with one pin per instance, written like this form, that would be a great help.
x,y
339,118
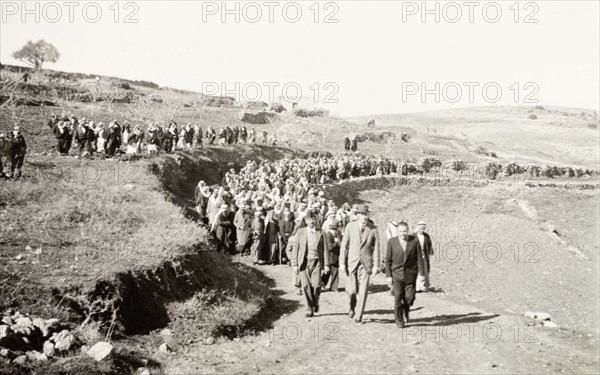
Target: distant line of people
x,y
97,138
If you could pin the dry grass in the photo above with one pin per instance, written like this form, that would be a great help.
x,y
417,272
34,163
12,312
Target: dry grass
x,y
73,222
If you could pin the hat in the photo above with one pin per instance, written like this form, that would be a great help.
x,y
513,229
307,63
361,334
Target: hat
x,y
421,222
321,193
224,206
17,129
329,214
334,225
362,209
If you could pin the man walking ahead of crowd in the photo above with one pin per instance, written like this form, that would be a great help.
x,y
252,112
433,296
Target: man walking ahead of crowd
x,y
359,258
403,261
309,255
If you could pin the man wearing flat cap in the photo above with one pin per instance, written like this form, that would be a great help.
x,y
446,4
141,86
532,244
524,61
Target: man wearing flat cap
x,y
359,259
309,257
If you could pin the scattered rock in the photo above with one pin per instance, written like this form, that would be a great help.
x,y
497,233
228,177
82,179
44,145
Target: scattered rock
x,y
49,326
210,341
164,348
541,316
100,350
33,355
20,359
63,340
19,257
23,325
48,349
549,324
166,332
4,331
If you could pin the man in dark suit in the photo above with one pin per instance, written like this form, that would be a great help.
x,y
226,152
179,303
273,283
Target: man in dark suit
x,y
223,228
332,236
309,256
403,261
286,228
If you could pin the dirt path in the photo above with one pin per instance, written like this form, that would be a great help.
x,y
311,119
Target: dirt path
x,y
443,337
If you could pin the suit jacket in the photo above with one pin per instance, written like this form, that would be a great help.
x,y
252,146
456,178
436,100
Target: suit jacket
x,y
359,248
403,264
300,249
286,228
334,248
223,226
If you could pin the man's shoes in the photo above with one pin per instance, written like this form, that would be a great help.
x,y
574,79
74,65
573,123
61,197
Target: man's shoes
x,y
351,314
299,292
358,321
309,315
400,325
406,310
316,308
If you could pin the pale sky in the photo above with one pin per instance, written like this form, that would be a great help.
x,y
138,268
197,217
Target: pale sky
x,y
368,56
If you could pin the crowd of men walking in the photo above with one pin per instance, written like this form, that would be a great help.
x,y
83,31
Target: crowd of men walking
x,y
272,212
96,137
84,137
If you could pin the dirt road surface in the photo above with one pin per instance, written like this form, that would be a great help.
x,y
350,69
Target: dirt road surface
x,y
442,337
